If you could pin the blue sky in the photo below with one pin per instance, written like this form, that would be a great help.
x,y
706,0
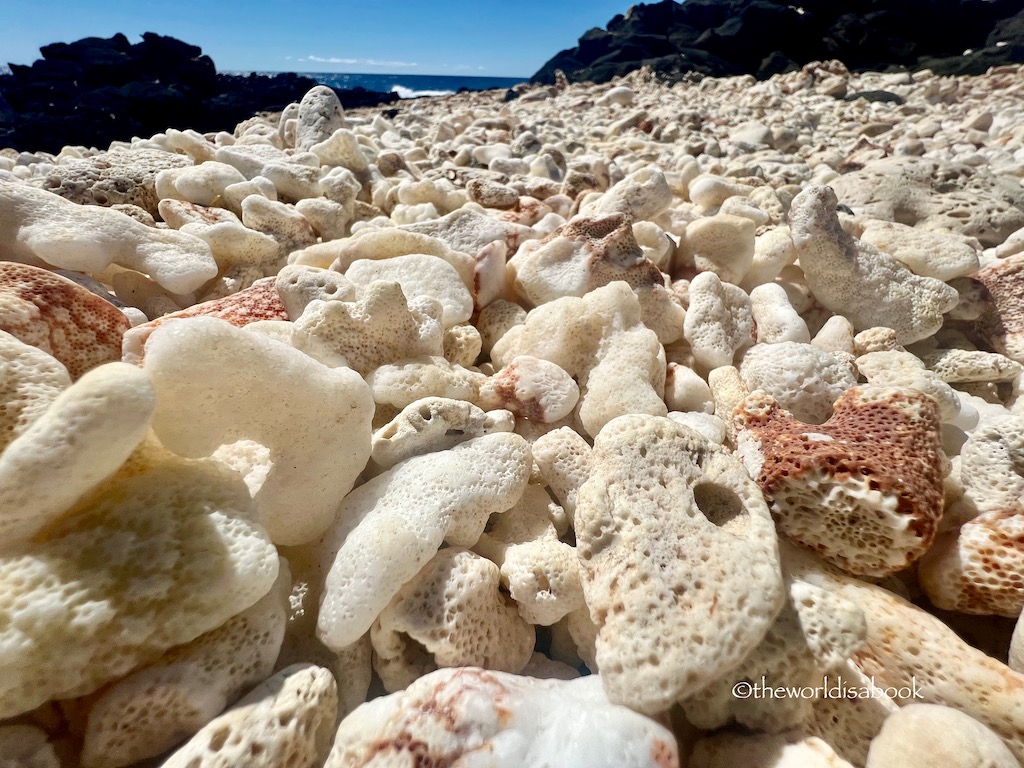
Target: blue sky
x,y
458,37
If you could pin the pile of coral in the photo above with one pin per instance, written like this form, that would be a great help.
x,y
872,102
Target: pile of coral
x,y
765,37
623,425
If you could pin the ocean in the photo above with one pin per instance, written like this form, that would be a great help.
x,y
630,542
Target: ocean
x,y
406,86
409,86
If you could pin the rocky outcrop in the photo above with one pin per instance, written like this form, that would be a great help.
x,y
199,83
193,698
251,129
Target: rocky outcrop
x,y
97,90
764,37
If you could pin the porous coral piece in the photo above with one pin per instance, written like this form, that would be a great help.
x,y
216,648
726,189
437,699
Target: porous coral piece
x,y
930,734
230,382
297,285
462,344
400,384
685,390
673,613
584,253
320,114
815,632
540,572
728,750
54,314
942,255
722,244
451,614
863,489
38,225
643,194
434,424
452,715
25,746
287,720
935,195
30,380
467,231
600,341
154,708
897,368
280,221
201,184
230,242
971,365
1002,324
532,388
260,301
380,328
389,527
858,281
718,320
419,275
163,552
85,435
497,319
563,459
919,659
978,567
118,177
803,379
774,316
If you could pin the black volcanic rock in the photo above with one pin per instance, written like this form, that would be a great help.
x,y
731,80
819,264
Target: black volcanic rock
x,y
765,37
97,90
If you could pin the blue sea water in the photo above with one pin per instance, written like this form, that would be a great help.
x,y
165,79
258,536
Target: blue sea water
x,y
412,86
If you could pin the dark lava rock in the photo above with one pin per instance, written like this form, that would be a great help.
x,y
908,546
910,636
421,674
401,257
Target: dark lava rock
x,y
97,90
766,37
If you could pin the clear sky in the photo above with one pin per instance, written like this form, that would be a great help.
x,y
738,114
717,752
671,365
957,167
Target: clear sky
x,y
500,38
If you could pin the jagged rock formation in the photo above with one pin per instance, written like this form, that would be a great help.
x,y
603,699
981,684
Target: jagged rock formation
x,y
97,90
764,37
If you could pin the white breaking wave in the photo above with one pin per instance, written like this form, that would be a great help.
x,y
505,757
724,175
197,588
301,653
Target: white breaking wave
x,y
409,93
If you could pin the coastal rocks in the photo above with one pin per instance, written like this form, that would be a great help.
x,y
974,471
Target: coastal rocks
x,y
721,38
97,90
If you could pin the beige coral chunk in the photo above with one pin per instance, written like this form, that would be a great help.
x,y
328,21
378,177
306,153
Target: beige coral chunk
x,y
971,365
419,275
920,658
380,328
401,384
718,321
297,285
434,424
775,317
260,301
930,734
467,231
25,746
722,244
320,115
584,253
451,716
30,380
1003,322
154,708
532,388
815,632
854,279
451,614
863,489
896,368
729,750
389,527
85,435
600,341
54,314
942,255
462,344
978,568
162,553
805,380
563,460
230,383
118,177
641,195
286,721
673,612
35,224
